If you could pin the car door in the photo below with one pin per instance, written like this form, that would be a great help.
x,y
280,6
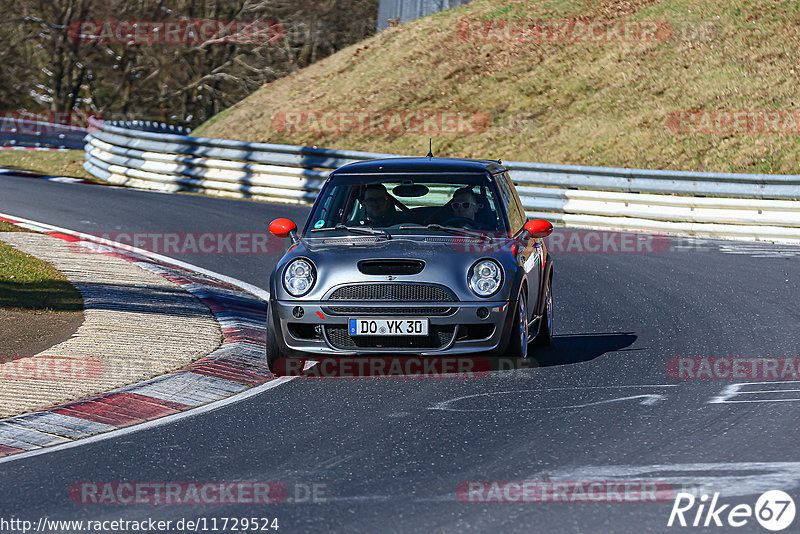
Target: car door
x,y
529,252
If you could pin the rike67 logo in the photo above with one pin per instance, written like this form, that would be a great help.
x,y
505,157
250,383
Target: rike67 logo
x,y
774,510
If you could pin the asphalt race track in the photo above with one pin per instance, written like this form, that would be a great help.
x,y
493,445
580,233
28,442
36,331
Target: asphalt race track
x,y
389,454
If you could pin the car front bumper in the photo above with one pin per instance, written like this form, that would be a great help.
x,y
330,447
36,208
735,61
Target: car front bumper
x,y
460,330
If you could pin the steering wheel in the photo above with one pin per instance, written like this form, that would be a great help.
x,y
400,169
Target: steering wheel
x,y
462,222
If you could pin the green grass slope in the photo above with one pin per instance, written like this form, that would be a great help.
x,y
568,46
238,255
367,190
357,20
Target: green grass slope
x,y
609,102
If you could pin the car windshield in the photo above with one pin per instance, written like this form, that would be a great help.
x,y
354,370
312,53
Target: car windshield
x,y
403,204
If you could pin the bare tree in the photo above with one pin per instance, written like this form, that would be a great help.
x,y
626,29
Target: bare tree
x,y
49,64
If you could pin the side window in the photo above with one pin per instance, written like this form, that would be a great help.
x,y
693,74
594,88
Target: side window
x,y
324,209
515,196
331,210
503,187
516,215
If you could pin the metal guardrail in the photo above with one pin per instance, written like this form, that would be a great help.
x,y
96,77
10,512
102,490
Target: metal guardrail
x,y
16,132
145,126
155,156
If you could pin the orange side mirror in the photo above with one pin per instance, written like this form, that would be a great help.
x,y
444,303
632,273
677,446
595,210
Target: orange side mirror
x,y
538,228
282,227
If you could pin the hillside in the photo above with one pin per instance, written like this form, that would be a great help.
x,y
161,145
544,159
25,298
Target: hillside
x,y
693,85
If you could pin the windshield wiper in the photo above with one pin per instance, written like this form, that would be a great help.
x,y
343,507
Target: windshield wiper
x,y
451,229
365,230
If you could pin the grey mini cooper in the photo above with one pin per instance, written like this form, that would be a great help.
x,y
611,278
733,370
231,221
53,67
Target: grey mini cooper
x,y
424,256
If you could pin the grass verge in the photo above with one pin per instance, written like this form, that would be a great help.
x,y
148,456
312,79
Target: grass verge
x,y
28,283
47,162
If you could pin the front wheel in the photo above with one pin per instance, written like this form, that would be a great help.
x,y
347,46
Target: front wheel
x,y
272,348
545,334
518,343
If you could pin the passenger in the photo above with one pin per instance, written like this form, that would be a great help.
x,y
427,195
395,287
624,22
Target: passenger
x,y
465,204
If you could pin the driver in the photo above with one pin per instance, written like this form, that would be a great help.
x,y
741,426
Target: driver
x,y
379,206
464,203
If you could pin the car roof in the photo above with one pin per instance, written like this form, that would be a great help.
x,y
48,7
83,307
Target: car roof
x,y
420,165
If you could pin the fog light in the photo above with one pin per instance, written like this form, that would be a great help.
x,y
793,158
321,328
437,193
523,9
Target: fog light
x,y
297,312
483,313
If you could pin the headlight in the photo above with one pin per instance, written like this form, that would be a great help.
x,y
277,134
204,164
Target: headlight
x,y
299,277
485,278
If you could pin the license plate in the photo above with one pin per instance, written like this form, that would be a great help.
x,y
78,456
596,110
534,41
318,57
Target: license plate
x,y
388,327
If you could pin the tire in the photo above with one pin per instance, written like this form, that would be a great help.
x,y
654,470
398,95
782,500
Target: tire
x,y
545,334
518,341
272,349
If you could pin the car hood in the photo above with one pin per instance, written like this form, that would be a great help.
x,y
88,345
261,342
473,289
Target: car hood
x,y
447,260
429,244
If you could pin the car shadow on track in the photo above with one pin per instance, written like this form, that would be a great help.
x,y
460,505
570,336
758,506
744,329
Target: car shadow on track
x,y
578,348
564,350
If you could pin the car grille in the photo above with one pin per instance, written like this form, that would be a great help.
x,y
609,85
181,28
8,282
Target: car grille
x,y
439,336
393,310
393,292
